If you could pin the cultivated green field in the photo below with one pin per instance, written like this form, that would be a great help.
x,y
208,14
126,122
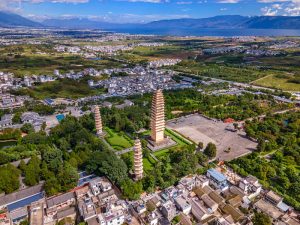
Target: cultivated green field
x,y
274,81
226,72
41,60
64,88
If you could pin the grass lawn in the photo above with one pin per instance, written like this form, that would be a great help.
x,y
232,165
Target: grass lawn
x,y
181,141
178,138
147,164
276,82
161,153
118,141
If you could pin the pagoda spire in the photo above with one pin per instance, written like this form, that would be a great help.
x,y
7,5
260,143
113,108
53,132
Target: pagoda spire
x,y
158,117
98,120
138,160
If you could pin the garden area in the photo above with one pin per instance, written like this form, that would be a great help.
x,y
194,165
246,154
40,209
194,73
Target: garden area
x,y
117,140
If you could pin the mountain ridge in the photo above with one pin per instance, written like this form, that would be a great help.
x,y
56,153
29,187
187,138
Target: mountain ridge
x,y
14,20
219,22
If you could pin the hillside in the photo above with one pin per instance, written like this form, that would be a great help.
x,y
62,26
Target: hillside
x,y
14,20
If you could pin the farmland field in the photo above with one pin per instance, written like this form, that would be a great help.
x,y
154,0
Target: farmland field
x,y
274,81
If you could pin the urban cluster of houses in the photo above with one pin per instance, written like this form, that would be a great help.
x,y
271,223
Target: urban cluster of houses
x,y
32,118
214,198
262,52
150,44
163,62
283,45
241,49
8,42
95,200
222,50
107,49
8,101
144,83
121,37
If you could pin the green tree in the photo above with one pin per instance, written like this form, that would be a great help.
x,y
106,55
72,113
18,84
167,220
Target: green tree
x,y
210,150
261,219
24,222
53,157
32,171
149,183
43,127
52,186
22,166
108,164
261,146
17,118
9,181
200,145
67,177
131,190
27,128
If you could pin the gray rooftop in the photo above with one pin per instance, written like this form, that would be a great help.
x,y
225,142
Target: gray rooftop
x,y
13,197
60,199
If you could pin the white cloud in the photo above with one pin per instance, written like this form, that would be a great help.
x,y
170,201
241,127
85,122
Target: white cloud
x,y
184,3
281,7
147,1
292,10
16,5
269,11
229,1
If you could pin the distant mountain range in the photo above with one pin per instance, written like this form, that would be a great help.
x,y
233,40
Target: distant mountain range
x,y
14,20
222,22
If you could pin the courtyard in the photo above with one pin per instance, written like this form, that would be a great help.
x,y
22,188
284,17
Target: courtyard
x,y
201,129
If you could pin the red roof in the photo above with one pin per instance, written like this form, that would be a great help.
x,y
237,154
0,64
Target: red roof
x,y
229,120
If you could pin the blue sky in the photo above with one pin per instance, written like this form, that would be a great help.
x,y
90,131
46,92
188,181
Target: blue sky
x,y
147,10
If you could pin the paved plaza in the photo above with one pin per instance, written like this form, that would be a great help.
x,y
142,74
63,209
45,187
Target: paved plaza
x,y
201,129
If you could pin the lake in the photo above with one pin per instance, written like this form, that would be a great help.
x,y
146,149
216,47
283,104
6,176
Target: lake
x,y
212,32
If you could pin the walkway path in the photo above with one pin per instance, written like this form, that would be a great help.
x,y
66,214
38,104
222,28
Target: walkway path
x,y
124,151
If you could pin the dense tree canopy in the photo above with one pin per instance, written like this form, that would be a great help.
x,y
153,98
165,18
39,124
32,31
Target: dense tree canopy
x,y
278,137
261,219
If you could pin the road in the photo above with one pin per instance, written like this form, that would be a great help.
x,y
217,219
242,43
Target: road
x,y
244,85
274,113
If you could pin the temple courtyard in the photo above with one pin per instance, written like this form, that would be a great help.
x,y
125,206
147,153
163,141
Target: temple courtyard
x,y
201,129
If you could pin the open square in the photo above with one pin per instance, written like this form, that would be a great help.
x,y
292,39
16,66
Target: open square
x,y
201,129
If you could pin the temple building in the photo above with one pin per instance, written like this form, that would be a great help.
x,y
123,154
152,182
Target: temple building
x,y
158,117
138,160
98,121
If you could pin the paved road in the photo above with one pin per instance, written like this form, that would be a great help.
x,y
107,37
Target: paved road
x,y
274,113
245,85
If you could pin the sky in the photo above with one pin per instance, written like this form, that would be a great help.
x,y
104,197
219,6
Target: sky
x,y
141,11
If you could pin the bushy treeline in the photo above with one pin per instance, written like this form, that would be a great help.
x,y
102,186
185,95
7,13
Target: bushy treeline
x,y
278,139
65,150
220,106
